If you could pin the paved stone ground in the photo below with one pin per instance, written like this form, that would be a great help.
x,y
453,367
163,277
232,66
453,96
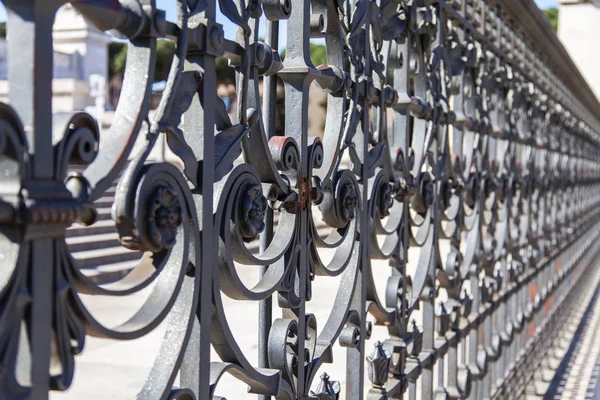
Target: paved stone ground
x,y
579,371
116,370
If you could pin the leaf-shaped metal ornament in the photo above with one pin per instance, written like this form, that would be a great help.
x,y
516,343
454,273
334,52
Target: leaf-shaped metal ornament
x,y
222,120
196,6
359,16
187,87
394,28
229,9
182,149
189,83
227,149
374,159
352,122
376,30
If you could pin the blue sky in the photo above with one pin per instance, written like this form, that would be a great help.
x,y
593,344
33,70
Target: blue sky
x,y
546,3
229,27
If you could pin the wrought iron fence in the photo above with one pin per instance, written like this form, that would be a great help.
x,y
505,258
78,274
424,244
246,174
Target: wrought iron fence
x,y
460,147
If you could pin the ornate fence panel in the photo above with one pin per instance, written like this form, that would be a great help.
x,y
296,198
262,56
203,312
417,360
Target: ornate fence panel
x,y
460,147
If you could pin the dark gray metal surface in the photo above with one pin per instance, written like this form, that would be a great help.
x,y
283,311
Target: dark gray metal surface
x,y
473,170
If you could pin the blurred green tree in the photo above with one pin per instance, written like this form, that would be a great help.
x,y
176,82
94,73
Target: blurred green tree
x,y
318,54
117,54
552,15
165,49
117,57
225,73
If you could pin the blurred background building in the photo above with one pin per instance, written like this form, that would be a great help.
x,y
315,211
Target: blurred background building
x,y
579,30
80,65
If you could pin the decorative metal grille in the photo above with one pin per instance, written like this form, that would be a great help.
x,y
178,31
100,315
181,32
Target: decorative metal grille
x,y
458,145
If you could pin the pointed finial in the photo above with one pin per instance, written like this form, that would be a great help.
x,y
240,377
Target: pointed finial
x,y
378,364
327,390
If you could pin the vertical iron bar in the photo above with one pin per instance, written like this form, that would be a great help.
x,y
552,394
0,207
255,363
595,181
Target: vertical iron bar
x,y
265,307
209,92
30,33
355,356
30,51
199,123
297,86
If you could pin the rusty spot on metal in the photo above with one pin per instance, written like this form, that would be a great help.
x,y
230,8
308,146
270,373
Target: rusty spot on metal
x,y
305,188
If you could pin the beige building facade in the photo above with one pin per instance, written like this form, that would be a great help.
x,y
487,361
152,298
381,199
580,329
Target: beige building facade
x,y
579,30
80,60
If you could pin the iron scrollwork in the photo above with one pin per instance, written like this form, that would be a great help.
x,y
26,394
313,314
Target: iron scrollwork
x,y
450,155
